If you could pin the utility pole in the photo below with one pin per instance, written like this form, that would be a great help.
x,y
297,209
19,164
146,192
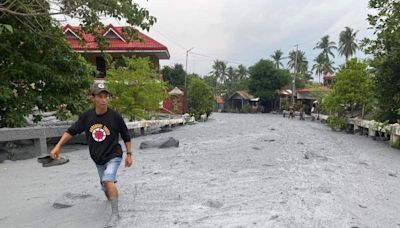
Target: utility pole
x,y
294,76
187,55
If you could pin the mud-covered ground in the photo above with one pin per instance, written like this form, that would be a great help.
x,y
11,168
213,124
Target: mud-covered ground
x,y
236,170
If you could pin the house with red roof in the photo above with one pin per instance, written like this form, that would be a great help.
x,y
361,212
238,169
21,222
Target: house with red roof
x,y
118,46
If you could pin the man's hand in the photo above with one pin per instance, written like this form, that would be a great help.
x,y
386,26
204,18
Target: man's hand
x,y
55,152
128,161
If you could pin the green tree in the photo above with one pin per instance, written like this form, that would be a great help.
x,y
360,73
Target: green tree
x,y
232,74
200,98
386,52
301,64
302,75
348,43
136,88
38,69
220,71
319,65
328,67
265,80
211,81
30,14
326,46
277,58
353,91
175,76
40,72
242,72
238,80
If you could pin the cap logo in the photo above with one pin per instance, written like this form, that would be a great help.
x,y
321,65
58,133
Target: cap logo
x,y
101,86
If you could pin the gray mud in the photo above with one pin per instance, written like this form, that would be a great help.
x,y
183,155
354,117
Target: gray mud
x,y
235,170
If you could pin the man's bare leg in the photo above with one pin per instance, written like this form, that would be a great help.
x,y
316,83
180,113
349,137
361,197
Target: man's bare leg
x,y
111,189
112,195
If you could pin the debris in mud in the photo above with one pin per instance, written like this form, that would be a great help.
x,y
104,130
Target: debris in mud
x,y
362,206
267,165
256,148
300,143
274,217
269,140
392,174
308,155
214,204
363,163
69,199
324,189
272,129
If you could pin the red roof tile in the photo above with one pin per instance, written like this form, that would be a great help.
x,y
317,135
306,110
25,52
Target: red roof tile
x,y
307,90
114,43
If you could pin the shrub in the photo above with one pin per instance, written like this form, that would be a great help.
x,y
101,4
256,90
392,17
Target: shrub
x,y
337,123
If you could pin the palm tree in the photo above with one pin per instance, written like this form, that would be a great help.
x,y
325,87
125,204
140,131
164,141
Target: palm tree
x,y
319,66
242,72
219,71
232,75
347,42
326,46
277,58
328,67
302,63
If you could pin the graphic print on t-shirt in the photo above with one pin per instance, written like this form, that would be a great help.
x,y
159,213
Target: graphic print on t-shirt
x,y
99,132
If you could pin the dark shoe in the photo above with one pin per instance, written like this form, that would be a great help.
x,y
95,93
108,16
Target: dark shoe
x,y
57,161
45,159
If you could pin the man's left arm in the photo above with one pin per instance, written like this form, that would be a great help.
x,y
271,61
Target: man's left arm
x,y
129,156
127,140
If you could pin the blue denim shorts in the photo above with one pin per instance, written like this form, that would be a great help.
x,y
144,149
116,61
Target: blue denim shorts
x,y
108,171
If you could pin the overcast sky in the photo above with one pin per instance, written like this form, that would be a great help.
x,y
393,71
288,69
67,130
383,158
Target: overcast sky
x,y
244,31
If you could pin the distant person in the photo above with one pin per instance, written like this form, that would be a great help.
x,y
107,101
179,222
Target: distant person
x,y
102,127
301,113
291,113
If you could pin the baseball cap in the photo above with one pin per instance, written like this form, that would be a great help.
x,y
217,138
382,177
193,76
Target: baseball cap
x,y
99,87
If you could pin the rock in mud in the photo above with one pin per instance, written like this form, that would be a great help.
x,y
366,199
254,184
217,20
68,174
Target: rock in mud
x,y
214,204
160,143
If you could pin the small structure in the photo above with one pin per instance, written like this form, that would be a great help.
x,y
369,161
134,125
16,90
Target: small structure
x,y
329,80
308,95
219,104
284,99
242,101
117,48
175,102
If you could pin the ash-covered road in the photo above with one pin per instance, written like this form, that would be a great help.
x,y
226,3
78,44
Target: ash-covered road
x,y
236,170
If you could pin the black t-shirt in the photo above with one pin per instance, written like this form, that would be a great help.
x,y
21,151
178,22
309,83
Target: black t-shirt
x,y
102,134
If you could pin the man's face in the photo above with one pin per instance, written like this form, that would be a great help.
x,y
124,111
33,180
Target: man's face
x,y
100,100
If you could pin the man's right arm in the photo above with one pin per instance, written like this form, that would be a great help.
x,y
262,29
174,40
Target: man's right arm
x,y
76,128
57,148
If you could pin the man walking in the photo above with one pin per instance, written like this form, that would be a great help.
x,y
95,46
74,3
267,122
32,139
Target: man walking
x,y
102,127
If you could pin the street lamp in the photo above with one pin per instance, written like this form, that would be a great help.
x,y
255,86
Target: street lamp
x,y
294,76
187,54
